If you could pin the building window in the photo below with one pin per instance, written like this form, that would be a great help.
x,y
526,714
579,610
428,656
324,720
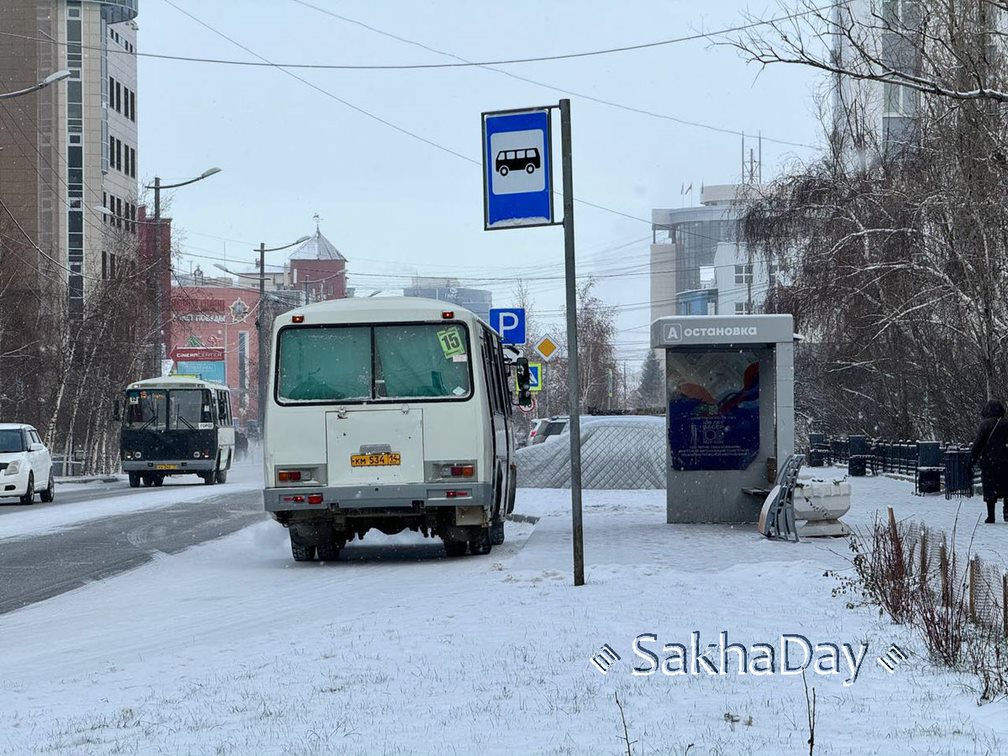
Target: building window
x,y
743,274
112,265
743,308
104,265
132,97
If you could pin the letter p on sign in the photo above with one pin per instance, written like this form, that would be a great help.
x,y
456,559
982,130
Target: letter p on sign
x,y
509,322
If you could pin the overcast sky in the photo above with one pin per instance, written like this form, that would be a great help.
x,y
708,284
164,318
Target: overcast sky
x,y
396,206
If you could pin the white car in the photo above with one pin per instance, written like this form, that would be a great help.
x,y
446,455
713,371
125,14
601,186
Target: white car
x,y
25,464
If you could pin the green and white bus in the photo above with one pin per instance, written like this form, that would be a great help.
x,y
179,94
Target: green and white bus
x,y
389,413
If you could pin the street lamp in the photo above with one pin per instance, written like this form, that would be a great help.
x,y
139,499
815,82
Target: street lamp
x,y
50,79
261,332
157,186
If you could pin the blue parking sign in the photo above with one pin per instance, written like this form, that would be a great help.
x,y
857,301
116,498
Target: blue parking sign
x,y
517,169
509,322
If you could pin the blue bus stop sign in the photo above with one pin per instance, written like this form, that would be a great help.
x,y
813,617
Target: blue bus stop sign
x,y
509,322
517,169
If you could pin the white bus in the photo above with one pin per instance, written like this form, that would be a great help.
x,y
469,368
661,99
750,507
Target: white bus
x,y
390,413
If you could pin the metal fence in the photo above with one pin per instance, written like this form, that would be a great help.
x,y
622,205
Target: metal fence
x,y
935,466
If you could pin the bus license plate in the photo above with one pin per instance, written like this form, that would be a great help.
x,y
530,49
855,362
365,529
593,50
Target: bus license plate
x,y
385,459
166,467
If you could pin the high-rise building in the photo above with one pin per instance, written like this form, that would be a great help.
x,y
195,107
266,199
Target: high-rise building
x,y
683,246
68,153
477,301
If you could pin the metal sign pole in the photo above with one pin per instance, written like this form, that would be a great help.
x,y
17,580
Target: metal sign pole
x,y
572,348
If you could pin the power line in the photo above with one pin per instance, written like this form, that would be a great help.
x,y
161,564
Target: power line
x,y
461,64
555,88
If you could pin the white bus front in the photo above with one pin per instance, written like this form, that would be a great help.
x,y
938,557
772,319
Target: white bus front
x,y
383,425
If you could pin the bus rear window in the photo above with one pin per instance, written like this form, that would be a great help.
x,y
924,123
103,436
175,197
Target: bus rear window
x,y
335,363
421,361
325,364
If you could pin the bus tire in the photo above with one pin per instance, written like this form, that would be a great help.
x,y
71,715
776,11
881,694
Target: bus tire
x,y
503,170
497,533
301,551
222,476
482,544
530,168
159,480
328,550
134,480
455,548
209,478
148,481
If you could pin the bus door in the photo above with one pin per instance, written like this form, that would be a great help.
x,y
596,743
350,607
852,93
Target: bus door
x,y
497,401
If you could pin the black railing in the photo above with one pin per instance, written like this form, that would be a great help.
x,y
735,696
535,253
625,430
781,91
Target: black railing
x,y
935,466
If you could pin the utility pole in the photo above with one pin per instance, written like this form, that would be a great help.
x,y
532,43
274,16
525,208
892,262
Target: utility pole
x,y
572,348
158,348
261,335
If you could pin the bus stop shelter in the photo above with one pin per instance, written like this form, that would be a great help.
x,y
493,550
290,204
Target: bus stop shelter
x,y
729,412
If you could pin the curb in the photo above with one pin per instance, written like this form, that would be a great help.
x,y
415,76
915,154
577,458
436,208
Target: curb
x,y
91,479
530,519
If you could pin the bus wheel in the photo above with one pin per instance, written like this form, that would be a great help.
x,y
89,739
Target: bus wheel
x,y
301,551
148,481
159,480
497,533
530,168
482,544
503,170
328,550
222,476
209,478
455,548
134,480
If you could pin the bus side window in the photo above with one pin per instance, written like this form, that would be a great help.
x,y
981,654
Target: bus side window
x,y
505,386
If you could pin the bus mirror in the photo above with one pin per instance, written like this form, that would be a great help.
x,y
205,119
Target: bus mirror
x,y
523,378
116,411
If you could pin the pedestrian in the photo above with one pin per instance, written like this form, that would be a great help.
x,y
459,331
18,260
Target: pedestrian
x,y
990,449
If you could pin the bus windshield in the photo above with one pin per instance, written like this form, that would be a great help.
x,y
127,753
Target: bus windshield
x,y
188,408
338,363
159,409
146,409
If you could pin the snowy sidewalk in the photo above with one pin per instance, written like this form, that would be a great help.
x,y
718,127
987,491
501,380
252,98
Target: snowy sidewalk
x,y
231,647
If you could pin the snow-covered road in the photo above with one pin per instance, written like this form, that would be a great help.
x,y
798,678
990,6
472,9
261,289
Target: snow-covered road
x,y
230,647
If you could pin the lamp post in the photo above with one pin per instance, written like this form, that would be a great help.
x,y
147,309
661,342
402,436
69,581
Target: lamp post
x,y
50,79
157,186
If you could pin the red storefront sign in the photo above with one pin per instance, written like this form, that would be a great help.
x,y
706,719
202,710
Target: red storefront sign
x,y
197,354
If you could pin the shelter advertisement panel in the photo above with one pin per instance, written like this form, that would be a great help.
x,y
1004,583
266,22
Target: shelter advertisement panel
x,y
713,416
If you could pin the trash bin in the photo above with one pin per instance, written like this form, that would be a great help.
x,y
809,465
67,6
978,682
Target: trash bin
x,y
856,466
958,473
816,457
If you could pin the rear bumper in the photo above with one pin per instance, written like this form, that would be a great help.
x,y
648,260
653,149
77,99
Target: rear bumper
x,y
179,466
357,500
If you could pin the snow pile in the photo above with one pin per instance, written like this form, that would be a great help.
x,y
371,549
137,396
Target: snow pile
x,y
617,453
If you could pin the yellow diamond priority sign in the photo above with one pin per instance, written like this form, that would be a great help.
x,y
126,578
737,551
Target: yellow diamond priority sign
x,y
546,347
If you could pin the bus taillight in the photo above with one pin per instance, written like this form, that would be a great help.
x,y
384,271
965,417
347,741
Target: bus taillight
x,y
314,498
462,471
455,494
288,476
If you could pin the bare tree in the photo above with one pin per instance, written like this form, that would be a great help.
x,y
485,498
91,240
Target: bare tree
x,y
898,263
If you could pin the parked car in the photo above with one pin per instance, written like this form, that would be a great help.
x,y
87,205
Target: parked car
x,y
24,462
554,426
534,426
